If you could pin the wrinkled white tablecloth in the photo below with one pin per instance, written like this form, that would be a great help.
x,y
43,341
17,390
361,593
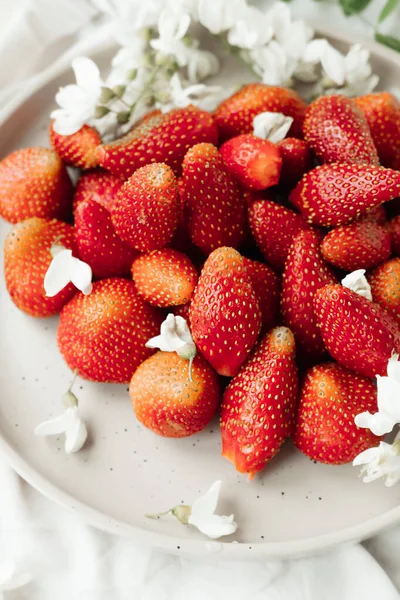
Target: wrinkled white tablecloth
x,y
68,559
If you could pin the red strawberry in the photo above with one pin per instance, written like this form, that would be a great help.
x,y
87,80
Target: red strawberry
x,y
360,245
103,335
296,161
394,230
382,112
255,163
235,115
359,334
336,129
259,405
377,215
385,286
164,277
146,209
97,241
224,312
330,398
167,402
158,138
183,311
99,186
78,149
34,183
215,205
339,193
273,227
266,285
26,260
305,273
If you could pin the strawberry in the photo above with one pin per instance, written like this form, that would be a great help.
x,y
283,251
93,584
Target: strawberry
x,y
103,335
296,161
385,286
26,260
99,186
266,285
183,311
167,402
224,312
145,213
336,129
34,183
164,277
78,149
330,398
305,273
215,206
158,138
359,334
235,115
255,163
258,406
394,231
377,215
382,112
273,227
97,241
360,245
336,194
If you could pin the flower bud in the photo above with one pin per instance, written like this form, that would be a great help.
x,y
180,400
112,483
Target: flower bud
x,y
106,94
100,112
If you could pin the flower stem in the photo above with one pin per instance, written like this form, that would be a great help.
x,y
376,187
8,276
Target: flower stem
x,y
158,515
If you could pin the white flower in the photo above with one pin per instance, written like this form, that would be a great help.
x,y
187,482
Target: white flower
x,y
382,461
65,268
356,64
332,61
128,58
252,29
78,101
357,282
219,15
195,94
388,414
10,580
271,126
201,64
69,423
172,27
272,64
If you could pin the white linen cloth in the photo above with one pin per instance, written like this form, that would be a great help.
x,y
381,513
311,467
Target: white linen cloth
x,y
68,559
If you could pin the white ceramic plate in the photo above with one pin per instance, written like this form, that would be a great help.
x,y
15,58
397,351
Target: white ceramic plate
x,y
295,507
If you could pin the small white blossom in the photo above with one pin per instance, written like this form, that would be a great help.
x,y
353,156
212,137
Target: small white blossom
x,y
172,27
252,29
195,94
271,126
201,64
65,268
331,60
272,64
219,15
357,282
175,336
382,461
78,101
10,580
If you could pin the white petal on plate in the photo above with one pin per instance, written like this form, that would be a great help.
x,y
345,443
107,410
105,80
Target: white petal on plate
x,y
365,457
76,432
206,505
87,74
379,423
216,526
54,426
389,397
58,274
81,275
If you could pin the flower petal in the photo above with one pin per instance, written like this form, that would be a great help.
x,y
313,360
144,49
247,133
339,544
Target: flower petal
x,y
58,273
379,423
366,456
389,397
216,526
357,282
271,126
87,74
393,369
206,505
54,426
76,433
81,275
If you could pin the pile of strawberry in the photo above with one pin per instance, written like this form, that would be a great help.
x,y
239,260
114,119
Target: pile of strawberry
x,y
190,213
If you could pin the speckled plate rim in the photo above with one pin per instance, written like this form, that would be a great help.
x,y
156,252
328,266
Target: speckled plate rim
x,y
176,545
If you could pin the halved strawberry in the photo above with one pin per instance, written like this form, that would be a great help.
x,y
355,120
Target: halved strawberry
x,y
158,138
224,312
26,260
394,231
99,186
259,405
98,243
78,149
385,286
382,112
360,245
103,335
330,398
164,277
266,285
235,115
215,206
34,183
359,334
255,163
296,161
305,273
273,227
170,404
336,129
146,209
336,194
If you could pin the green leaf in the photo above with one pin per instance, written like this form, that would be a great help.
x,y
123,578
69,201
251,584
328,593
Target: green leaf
x,y
352,7
388,40
387,9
